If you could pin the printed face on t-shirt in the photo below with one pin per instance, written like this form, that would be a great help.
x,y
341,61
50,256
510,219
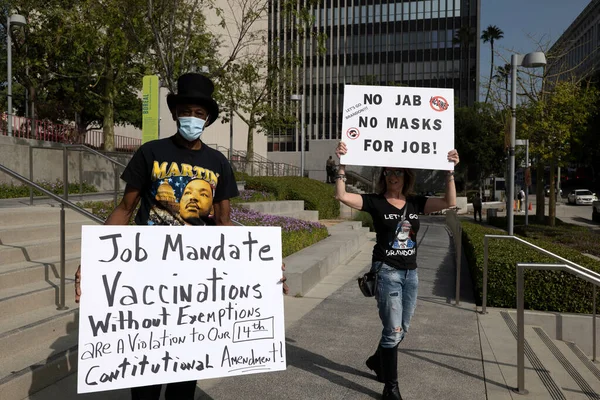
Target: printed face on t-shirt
x,y
196,200
184,193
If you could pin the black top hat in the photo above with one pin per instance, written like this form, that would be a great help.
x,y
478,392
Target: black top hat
x,y
195,89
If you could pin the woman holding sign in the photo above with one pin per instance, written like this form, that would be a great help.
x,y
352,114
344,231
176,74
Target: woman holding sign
x,y
394,209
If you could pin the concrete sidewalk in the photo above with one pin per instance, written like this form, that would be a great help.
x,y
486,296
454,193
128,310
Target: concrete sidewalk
x,y
326,348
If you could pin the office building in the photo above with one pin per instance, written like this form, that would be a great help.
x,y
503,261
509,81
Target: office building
x,y
576,53
375,42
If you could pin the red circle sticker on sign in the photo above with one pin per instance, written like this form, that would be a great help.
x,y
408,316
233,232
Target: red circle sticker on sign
x,y
438,103
352,133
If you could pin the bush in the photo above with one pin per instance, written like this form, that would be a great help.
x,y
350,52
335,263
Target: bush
x,y
15,191
296,234
102,209
544,290
574,236
240,176
316,195
366,219
248,196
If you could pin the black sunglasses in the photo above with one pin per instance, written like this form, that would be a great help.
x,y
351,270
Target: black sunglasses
x,y
395,172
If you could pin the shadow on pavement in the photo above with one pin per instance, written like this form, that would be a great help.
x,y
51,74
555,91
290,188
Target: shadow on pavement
x,y
318,365
423,356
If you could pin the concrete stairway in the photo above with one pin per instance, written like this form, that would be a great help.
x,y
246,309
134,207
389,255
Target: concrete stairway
x,y
554,369
35,337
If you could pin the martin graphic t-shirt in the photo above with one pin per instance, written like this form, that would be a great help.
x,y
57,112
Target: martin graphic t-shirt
x,y
178,185
396,229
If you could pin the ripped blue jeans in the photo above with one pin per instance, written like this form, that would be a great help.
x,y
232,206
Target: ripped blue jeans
x,y
396,300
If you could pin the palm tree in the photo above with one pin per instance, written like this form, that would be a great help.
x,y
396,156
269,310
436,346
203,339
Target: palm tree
x,y
502,75
464,37
491,34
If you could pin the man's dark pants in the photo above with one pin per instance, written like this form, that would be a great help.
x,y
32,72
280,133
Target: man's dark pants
x,y
175,391
477,210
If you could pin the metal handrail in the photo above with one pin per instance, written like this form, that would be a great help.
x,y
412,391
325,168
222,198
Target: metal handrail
x,y
90,150
587,275
63,203
362,179
456,229
539,249
256,159
65,148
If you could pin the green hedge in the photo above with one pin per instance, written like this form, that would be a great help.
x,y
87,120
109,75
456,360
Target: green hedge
x,y
240,176
366,219
317,195
576,237
15,191
544,290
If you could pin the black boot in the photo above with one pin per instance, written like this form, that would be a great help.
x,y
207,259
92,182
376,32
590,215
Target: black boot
x,y
374,364
389,364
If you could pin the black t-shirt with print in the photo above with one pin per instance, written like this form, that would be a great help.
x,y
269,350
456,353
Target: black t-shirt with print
x,y
179,185
396,241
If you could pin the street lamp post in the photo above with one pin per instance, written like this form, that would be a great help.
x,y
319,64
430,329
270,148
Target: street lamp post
x,y
530,60
300,98
18,21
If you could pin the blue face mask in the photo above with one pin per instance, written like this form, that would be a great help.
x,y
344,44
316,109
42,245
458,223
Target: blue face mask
x,y
191,128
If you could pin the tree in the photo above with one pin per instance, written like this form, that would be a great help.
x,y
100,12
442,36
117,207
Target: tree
x,y
256,84
491,34
248,88
179,37
555,122
79,56
479,141
503,76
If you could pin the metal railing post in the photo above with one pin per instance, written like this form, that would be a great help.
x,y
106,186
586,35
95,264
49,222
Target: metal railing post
x,y
485,275
31,175
594,326
116,169
521,330
66,173
61,304
80,174
458,244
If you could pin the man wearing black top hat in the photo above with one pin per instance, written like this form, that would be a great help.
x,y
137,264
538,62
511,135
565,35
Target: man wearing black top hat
x,y
173,178
158,175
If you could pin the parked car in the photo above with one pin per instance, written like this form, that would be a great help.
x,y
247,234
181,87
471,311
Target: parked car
x,y
547,191
596,211
581,196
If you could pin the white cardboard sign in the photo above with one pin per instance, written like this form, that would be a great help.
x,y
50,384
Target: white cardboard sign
x,y
166,304
388,126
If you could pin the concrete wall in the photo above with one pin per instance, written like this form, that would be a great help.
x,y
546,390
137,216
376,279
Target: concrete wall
x,y
48,163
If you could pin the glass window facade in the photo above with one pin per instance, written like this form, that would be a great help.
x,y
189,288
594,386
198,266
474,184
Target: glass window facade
x,y
376,42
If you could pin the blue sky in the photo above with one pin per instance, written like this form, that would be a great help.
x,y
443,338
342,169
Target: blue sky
x,y
544,20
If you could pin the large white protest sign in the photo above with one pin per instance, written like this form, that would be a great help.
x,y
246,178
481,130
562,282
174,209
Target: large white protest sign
x,y
167,304
398,126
